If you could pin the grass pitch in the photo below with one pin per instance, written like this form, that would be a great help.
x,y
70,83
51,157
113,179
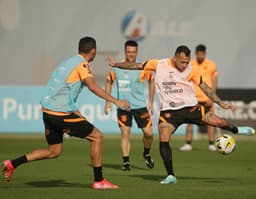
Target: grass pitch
x,y
200,173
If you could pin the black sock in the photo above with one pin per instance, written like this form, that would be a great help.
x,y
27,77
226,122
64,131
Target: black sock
x,y
126,159
211,142
18,161
166,154
98,176
231,128
189,142
146,150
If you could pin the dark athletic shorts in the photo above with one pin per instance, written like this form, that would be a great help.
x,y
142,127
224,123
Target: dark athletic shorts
x,y
191,115
72,124
141,117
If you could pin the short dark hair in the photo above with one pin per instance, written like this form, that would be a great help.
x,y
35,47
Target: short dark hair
x,y
131,43
183,49
201,47
86,44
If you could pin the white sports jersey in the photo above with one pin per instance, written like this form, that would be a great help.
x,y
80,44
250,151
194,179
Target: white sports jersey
x,y
174,89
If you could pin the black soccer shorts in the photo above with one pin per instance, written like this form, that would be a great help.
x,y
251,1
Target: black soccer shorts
x,y
72,124
140,115
190,115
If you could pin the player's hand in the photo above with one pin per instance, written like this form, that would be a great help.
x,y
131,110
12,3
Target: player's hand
x,y
111,61
107,108
227,106
150,108
124,104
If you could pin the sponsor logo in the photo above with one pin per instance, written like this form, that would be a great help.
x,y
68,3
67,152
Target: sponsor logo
x,y
172,104
135,25
88,67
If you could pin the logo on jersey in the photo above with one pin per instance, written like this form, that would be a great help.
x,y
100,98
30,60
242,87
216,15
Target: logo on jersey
x,y
172,104
88,67
135,25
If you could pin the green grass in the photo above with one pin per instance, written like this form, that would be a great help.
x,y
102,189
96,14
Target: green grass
x,y
200,174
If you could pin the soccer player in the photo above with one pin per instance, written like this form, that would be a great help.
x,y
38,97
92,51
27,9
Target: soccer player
x,y
60,113
130,86
174,82
209,73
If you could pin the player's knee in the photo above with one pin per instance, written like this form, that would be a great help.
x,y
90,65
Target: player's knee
x,y
98,136
148,134
54,153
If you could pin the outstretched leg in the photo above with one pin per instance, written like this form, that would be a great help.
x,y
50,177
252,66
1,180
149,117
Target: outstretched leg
x,y
216,121
9,166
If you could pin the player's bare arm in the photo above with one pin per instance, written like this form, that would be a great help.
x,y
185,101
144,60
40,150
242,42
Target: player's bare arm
x,y
126,65
213,96
108,88
151,91
97,90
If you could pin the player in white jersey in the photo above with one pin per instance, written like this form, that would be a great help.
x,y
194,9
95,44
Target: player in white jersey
x,y
174,80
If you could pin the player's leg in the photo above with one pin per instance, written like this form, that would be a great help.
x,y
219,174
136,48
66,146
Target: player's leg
x,y
125,147
96,139
78,126
210,131
166,127
189,135
144,122
54,138
9,166
216,121
125,122
165,132
147,143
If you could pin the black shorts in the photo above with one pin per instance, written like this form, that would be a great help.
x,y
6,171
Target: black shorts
x,y
141,117
191,115
72,124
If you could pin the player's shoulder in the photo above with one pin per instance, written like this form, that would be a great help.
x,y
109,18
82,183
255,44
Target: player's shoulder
x,y
210,62
84,67
162,60
83,64
159,62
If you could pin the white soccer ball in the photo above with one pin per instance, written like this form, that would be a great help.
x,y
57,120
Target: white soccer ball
x,y
225,144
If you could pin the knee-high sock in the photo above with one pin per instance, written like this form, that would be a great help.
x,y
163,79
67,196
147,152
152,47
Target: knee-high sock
x,y
166,154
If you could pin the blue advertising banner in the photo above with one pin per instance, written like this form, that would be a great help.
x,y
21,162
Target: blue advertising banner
x,y
20,111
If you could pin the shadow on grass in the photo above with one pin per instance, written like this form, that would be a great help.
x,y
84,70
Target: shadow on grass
x,y
119,167
57,183
201,179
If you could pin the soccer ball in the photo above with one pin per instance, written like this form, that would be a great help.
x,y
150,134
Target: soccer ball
x,y
225,144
